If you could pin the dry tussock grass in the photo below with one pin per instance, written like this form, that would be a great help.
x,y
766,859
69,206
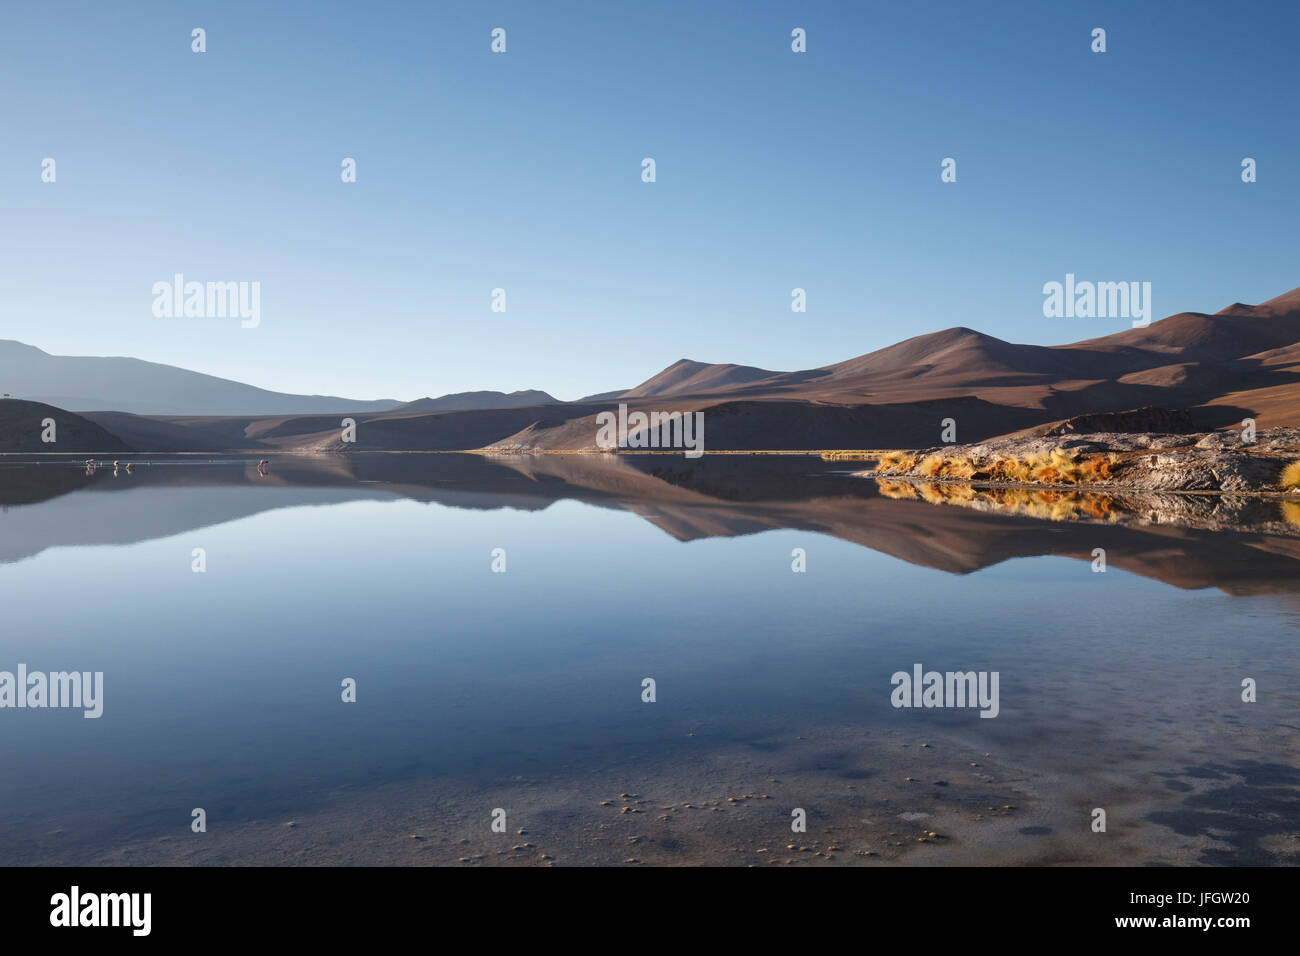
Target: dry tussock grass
x,y
1057,467
896,461
1290,479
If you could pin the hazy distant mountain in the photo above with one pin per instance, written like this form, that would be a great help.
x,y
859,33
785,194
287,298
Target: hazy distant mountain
x,y
85,383
465,401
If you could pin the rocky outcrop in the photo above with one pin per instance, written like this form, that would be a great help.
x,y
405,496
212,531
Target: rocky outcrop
x,y
1169,421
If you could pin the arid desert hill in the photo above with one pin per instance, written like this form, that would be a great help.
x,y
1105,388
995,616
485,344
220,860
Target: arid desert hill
x,y
685,377
1243,361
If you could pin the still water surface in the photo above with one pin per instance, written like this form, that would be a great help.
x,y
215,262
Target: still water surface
x,y
523,689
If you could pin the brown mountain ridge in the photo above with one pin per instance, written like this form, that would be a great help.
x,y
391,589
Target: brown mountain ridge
x,y
1243,361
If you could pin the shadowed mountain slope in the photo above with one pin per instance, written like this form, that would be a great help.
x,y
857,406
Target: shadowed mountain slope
x,y
24,424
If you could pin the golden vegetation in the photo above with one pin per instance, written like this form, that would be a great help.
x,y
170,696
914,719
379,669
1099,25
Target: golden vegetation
x,y
1290,480
1057,467
896,461
938,466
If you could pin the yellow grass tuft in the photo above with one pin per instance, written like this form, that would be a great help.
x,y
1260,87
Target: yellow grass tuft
x,y
1057,467
939,466
1290,479
896,461
931,465
1011,470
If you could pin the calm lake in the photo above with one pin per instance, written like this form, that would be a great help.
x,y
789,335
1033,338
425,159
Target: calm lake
x,y
522,690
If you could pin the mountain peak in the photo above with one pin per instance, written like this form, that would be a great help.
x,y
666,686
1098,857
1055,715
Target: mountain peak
x,y
689,377
1283,304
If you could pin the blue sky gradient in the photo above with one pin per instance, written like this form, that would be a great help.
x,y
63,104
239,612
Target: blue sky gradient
x,y
775,170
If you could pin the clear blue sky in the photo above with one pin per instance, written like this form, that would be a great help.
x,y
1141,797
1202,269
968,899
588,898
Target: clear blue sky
x,y
522,171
